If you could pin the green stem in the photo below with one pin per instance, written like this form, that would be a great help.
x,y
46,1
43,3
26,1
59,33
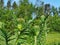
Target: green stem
x,y
35,38
6,40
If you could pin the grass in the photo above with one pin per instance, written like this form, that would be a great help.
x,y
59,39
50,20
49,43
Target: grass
x,y
53,37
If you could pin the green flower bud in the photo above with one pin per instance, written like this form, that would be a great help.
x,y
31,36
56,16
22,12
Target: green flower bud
x,y
19,26
42,18
36,28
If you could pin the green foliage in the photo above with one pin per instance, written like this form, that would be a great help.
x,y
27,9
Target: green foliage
x,y
53,23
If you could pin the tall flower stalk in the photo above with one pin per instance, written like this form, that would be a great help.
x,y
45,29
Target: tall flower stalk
x,y
42,32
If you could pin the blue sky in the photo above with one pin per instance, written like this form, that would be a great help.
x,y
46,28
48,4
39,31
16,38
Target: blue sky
x,y
55,3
